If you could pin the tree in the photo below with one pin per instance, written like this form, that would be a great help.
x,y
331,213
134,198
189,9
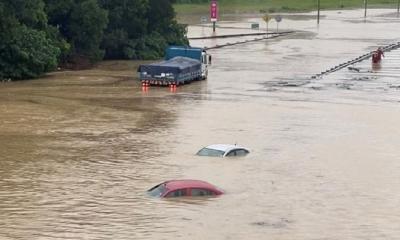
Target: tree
x,y
36,35
86,27
28,12
28,53
140,29
127,24
59,13
82,24
129,15
161,17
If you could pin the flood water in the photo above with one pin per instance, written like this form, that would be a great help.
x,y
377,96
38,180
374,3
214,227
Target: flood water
x,y
78,150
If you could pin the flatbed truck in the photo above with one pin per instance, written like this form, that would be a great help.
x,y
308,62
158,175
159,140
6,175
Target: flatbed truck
x,y
182,64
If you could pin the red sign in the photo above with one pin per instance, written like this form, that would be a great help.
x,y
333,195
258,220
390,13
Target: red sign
x,y
214,10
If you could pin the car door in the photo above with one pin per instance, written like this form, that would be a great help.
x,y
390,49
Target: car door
x,y
241,152
199,192
177,193
237,153
231,153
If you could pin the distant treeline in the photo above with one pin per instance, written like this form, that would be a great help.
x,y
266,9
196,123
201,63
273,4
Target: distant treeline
x,y
189,1
36,36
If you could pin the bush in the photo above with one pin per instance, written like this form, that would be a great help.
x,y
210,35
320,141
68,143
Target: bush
x,y
28,54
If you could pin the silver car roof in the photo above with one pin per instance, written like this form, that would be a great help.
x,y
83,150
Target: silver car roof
x,y
224,147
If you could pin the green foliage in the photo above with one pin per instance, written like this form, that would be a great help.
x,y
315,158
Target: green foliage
x,y
58,41
27,54
81,23
26,51
160,15
127,15
151,46
127,24
7,23
190,1
86,26
37,35
140,29
28,12
58,12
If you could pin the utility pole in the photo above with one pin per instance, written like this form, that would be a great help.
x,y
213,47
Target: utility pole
x,y
319,7
365,7
398,8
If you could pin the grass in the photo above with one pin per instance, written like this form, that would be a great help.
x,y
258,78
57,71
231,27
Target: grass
x,y
271,6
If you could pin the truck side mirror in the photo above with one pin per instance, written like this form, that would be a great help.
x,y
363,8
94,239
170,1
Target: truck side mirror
x,y
209,59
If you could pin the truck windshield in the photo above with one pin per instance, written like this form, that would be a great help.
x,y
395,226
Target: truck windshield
x,y
210,152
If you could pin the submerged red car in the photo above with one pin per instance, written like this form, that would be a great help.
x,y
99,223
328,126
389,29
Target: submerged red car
x,y
183,188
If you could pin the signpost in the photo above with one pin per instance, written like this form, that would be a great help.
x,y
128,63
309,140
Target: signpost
x,y
266,18
255,26
278,19
214,12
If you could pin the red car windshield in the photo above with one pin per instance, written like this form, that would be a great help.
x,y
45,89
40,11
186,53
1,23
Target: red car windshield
x,y
158,190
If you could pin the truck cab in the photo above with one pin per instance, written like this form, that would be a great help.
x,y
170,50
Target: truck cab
x,y
199,54
205,61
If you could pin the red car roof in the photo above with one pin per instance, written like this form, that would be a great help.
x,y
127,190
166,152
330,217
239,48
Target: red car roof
x,y
179,184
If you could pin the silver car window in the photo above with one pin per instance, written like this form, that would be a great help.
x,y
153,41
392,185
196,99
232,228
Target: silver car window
x,y
237,153
241,152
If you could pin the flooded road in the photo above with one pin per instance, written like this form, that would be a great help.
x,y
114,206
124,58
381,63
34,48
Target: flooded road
x,y
79,149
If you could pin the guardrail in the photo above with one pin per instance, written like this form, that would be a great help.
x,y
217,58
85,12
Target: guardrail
x,y
269,36
387,48
238,35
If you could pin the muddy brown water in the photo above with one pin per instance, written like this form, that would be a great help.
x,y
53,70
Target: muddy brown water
x,y
78,150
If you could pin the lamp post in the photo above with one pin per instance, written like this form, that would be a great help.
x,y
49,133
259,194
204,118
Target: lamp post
x,y
365,8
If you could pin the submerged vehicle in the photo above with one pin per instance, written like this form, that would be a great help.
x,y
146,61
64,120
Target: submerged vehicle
x,y
223,150
182,65
184,188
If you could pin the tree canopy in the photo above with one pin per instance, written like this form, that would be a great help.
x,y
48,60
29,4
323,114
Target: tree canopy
x,y
38,35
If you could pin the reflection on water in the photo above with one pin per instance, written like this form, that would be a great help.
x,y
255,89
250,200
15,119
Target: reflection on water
x,y
79,149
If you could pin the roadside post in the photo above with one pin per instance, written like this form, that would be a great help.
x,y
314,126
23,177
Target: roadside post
x,y
365,8
398,8
318,11
203,20
278,19
266,18
214,13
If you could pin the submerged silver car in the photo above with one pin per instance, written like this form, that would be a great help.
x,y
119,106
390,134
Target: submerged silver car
x,y
223,150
